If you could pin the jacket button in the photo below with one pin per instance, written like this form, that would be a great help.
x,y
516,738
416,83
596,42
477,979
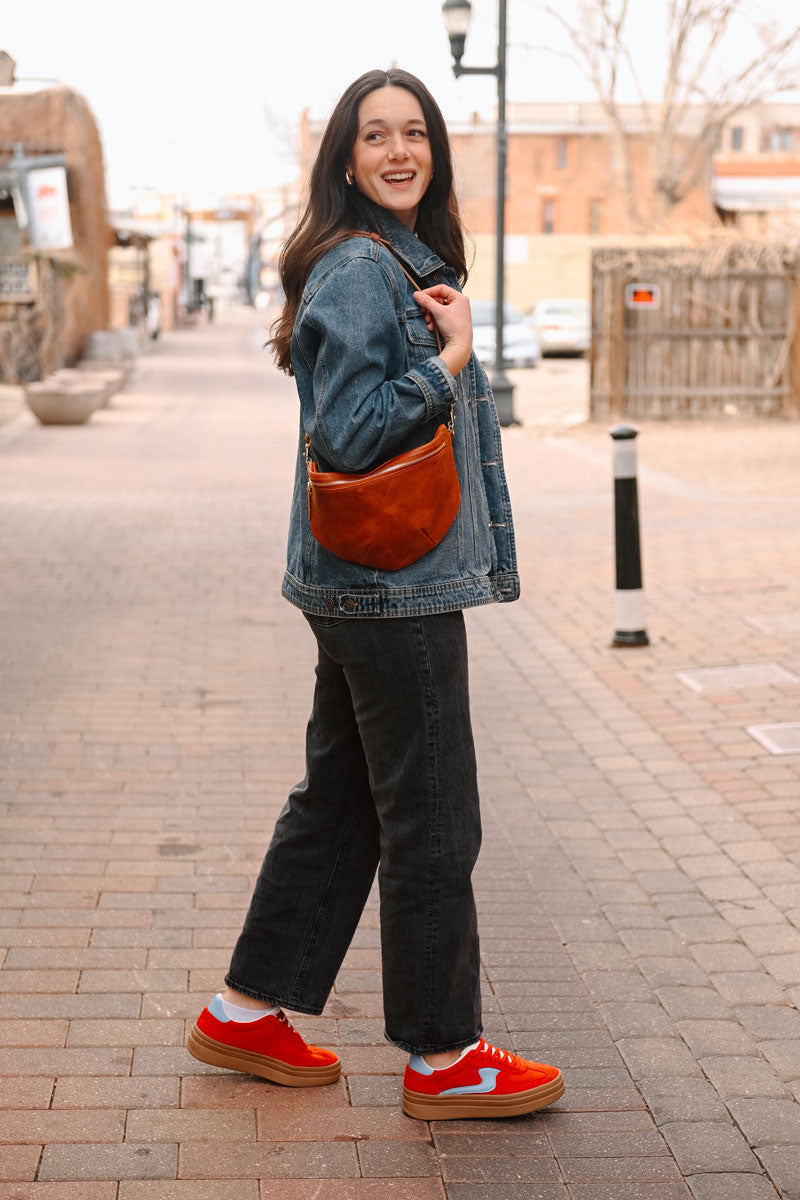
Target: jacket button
x,y
329,602
437,276
349,603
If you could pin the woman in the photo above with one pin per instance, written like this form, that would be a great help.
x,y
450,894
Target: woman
x,y
390,765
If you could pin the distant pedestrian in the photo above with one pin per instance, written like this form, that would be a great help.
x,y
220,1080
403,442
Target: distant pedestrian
x,y
390,780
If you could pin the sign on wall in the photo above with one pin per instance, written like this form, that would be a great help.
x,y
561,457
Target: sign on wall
x,y
643,295
15,281
50,227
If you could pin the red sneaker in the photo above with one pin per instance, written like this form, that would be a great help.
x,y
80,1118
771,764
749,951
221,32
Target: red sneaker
x,y
270,1047
486,1082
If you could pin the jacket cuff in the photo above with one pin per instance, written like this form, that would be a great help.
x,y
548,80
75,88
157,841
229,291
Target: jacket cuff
x,y
437,385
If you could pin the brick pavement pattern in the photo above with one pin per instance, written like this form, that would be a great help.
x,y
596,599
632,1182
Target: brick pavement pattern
x,y
639,885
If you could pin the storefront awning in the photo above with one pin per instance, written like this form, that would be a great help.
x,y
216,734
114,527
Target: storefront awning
x,y
756,193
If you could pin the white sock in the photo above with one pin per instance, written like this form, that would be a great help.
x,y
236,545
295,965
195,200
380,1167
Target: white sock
x,y
464,1052
237,1013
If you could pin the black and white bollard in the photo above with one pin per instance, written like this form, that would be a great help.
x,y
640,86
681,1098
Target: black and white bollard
x,y
630,627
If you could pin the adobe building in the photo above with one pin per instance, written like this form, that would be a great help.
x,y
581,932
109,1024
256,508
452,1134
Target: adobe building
x,y
54,232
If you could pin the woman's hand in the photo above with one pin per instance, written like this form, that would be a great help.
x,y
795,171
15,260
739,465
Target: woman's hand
x,y
448,310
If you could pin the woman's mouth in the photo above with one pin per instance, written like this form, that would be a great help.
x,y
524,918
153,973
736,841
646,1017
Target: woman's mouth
x,y
398,178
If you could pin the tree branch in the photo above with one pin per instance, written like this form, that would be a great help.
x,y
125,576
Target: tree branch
x,y
695,35
598,39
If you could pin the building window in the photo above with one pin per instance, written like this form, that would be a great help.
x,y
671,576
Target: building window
x,y
737,137
781,139
595,212
561,153
548,216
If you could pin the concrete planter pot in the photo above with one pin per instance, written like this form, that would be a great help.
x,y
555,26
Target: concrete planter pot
x,y
112,380
103,344
112,345
54,403
125,369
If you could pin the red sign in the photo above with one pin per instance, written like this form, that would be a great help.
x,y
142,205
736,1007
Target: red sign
x,y
642,295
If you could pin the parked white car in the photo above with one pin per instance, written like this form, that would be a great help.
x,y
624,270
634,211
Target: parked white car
x,y
520,342
564,325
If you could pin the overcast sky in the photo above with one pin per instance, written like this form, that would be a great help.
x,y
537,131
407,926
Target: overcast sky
x,y
194,96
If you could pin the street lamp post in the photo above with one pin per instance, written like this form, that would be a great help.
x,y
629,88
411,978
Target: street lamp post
x,y
187,262
456,15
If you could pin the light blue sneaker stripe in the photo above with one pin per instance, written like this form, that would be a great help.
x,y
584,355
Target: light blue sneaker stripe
x,y
488,1084
217,1009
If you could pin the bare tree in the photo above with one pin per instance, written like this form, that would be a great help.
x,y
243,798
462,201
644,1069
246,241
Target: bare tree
x,y
698,93
284,132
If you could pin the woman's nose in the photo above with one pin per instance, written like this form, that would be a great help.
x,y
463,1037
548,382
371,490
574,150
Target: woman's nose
x,y
397,147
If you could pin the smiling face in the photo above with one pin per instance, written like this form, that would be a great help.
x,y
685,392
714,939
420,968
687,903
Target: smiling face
x,y
391,159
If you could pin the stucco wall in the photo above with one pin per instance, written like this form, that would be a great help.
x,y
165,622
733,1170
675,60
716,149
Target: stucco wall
x,y
73,284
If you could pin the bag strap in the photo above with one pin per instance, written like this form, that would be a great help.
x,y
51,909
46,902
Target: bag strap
x,y
376,237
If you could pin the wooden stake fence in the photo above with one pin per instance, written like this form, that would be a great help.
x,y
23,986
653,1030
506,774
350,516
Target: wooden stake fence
x,y
721,335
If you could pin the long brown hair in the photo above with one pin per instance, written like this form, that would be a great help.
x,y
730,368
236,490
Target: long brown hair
x,y
334,208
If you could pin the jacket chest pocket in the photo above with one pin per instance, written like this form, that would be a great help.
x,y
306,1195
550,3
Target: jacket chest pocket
x,y
420,340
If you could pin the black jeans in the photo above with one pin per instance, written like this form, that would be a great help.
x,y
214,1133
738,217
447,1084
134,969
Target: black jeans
x,y
390,780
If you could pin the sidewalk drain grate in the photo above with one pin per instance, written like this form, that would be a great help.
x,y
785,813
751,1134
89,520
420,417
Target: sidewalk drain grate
x,y
778,739
737,679
776,623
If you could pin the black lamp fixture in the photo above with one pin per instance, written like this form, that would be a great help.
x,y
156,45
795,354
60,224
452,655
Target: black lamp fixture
x,y
457,15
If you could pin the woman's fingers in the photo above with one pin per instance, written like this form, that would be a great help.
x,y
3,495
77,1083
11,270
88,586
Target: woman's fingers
x,y
440,294
449,310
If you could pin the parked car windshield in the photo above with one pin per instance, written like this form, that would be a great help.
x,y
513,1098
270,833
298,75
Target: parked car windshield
x,y
483,313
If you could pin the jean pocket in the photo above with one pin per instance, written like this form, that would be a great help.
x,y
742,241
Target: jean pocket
x,y
323,622
417,330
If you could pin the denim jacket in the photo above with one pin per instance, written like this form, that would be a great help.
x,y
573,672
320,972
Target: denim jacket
x,y
372,385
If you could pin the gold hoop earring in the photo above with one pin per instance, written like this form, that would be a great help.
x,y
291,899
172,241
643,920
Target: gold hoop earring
x,y
348,178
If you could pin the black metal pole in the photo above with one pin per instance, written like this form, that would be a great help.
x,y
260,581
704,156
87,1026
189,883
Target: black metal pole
x,y
187,266
502,386
630,626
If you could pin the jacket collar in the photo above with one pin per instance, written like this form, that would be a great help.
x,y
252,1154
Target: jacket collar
x,y
418,257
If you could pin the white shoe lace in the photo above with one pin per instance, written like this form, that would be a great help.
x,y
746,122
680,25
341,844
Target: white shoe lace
x,y
281,1016
491,1050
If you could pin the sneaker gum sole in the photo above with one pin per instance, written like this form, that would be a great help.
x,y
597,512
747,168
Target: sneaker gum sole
x,y
453,1108
217,1054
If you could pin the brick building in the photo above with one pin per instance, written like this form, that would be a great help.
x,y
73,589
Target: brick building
x,y
756,175
565,188
565,195
565,175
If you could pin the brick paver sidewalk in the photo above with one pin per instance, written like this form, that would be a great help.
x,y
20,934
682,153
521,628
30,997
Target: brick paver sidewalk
x,y
639,886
